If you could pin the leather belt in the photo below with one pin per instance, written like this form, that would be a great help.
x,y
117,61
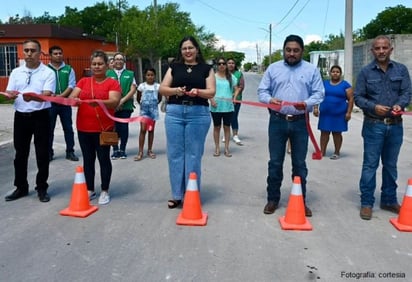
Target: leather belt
x,y
288,117
185,102
385,120
31,114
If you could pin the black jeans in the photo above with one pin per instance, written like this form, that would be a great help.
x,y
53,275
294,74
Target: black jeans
x,y
122,129
26,125
90,146
65,113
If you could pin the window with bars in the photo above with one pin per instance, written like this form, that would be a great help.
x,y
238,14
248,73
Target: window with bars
x,y
8,58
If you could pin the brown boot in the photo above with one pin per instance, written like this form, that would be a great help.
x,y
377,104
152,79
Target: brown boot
x,y
366,213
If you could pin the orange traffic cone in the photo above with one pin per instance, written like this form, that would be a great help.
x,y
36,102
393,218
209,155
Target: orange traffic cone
x,y
294,218
404,220
192,211
79,203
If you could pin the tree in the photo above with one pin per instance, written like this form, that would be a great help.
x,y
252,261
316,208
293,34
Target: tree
x,y
238,57
45,19
276,56
26,19
335,42
156,31
152,33
314,46
72,17
247,66
395,20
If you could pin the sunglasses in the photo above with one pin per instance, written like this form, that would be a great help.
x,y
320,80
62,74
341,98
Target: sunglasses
x,y
221,64
27,50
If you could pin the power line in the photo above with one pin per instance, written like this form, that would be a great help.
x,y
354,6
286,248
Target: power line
x,y
230,15
326,17
300,11
288,12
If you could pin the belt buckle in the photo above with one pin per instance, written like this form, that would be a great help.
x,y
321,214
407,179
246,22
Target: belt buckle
x,y
388,121
289,117
187,103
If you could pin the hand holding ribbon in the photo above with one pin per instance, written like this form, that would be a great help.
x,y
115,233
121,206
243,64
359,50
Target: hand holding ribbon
x,y
74,102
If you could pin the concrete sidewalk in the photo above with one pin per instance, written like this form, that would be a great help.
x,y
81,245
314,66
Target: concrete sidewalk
x,y
135,237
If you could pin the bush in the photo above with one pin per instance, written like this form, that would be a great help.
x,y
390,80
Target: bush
x,y
3,100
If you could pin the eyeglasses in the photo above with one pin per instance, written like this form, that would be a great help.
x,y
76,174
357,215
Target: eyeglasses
x,y
190,48
27,50
221,64
28,79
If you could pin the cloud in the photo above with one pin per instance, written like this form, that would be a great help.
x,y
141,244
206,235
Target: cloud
x,y
247,47
312,38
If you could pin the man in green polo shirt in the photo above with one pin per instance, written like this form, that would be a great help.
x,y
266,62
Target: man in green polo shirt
x,y
124,110
65,82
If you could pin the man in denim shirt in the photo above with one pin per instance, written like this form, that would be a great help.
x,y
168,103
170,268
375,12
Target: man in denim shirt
x,y
291,80
383,90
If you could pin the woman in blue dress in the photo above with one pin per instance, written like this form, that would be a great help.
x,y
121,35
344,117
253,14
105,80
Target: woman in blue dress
x,y
335,111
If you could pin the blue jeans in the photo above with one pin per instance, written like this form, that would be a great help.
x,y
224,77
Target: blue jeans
x,y
122,129
90,146
65,113
186,129
280,130
235,122
380,142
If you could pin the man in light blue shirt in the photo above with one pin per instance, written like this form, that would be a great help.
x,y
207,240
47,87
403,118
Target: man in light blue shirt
x,y
297,81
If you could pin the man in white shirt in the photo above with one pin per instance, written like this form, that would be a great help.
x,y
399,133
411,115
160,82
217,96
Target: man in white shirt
x,y
31,118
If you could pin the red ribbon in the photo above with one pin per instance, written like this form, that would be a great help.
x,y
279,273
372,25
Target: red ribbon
x,y
317,155
75,102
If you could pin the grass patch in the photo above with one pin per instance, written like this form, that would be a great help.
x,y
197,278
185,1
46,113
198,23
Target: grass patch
x,y
3,100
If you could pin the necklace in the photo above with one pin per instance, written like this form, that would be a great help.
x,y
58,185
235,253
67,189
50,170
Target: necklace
x,y
189,68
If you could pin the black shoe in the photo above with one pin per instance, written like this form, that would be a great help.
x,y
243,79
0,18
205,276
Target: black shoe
x,y
18,193
395,208
71,156
270,207
43,196
308,212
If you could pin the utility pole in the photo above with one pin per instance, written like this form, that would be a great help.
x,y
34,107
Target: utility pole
x,y
348,41
270,44
118,27
159,61
257,54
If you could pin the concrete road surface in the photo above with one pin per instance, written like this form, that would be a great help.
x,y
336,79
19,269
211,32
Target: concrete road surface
x,y
135,237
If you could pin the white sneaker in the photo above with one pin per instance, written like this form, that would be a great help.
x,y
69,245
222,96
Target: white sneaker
x,y
237,140
223,139
92,195
104,198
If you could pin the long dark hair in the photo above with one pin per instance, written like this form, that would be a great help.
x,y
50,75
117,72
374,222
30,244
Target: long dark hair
x,y
199,57
232,59
228,74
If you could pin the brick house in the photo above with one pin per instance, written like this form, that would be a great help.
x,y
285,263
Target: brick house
x,y
77,46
